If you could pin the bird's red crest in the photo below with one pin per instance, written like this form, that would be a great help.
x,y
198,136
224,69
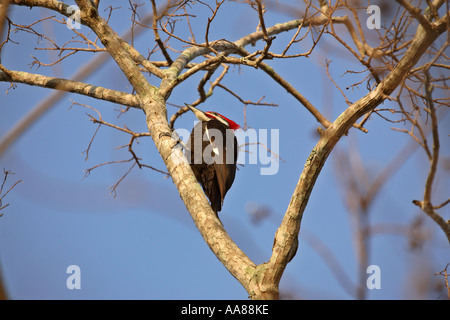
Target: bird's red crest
x,y
213,115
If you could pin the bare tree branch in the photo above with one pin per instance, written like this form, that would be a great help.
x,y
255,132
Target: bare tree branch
x,y
290,226
426,203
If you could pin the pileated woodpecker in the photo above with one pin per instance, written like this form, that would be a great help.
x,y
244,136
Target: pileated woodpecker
x,y
212,150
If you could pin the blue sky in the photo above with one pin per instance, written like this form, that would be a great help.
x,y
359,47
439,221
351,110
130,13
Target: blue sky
x,y
142,244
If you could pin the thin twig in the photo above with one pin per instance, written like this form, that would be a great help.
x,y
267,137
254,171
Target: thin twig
x,y
3,195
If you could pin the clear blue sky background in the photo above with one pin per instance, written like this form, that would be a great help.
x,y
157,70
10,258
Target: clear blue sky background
x,y
142,244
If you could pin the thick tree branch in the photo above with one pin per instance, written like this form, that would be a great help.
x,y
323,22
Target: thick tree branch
x,y
70,86
287,233
152,102
426,204
54,5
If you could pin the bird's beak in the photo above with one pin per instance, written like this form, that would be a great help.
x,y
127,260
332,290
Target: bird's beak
x,y
198,113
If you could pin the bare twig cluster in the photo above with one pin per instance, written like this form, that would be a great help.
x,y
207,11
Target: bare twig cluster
x,y
134,160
